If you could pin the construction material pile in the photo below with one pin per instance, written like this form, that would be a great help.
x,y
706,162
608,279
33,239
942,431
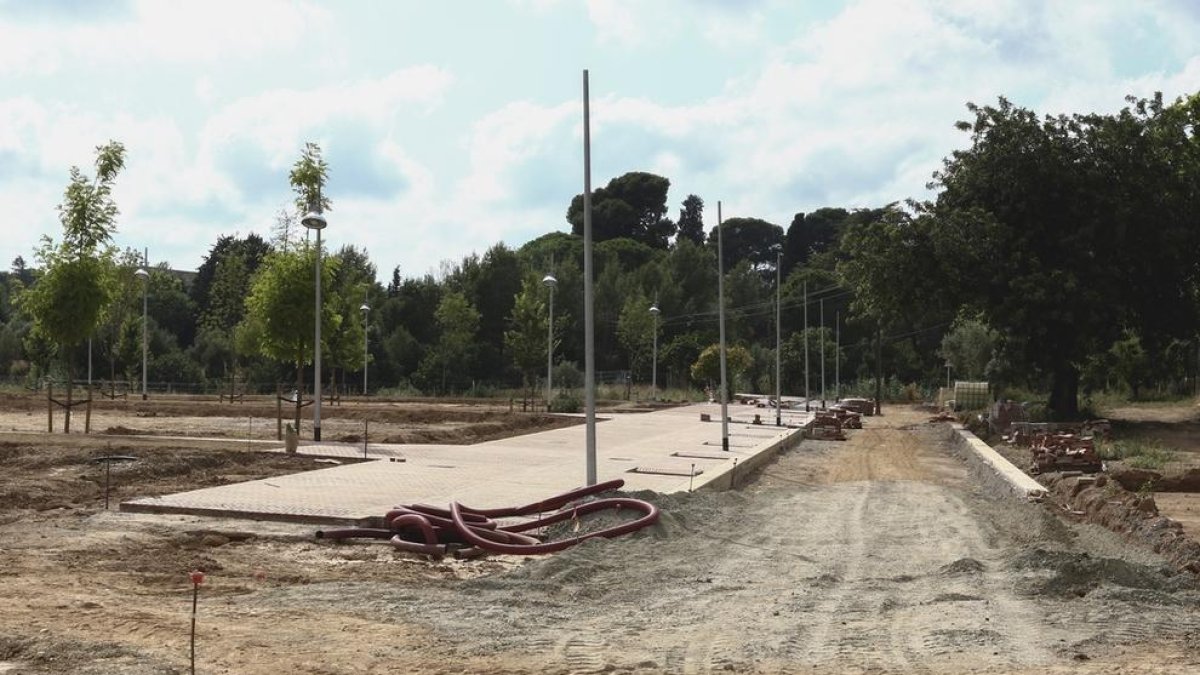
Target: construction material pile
x,y
1064,452
826,427
848,417
465,532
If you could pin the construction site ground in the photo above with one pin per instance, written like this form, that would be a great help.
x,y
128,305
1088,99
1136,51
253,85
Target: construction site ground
x,y
877,554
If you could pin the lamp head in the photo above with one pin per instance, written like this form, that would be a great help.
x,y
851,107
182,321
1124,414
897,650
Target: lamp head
x,y
142,274
365,307
654,309
313,220
549,281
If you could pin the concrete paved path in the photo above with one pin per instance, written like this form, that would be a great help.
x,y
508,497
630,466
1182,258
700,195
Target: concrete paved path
x,y
652,451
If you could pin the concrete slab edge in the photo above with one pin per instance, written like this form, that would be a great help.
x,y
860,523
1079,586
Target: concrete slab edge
x,y
997,474
728,477
150,506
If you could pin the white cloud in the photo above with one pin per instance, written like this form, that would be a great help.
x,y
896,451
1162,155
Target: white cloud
x,y
156,31
856,110
279,121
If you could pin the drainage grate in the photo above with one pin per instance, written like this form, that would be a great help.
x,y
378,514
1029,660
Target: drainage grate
x,y
666,471
702,455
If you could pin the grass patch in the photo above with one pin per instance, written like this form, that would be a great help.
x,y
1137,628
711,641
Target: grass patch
x,y
1138,454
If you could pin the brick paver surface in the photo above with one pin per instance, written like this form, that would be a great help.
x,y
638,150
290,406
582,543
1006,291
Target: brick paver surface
x,y
509,471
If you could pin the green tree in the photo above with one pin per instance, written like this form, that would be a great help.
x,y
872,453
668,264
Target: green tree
x,y
635,332
123,315
67,301
1130,362
352,280
691,220
308,177
632,205
968,347
526,338
448,362
810,234
751,239
707,368
280,315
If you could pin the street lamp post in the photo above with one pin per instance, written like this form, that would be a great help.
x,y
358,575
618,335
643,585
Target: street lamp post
x,y
654,311
550,282
721,321
366,310
778,343
145,277
315,220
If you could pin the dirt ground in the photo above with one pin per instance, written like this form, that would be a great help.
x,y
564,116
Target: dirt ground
x,y
1173,425
873,555
257,419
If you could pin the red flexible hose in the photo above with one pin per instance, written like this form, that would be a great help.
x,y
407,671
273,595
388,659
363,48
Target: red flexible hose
x,y
651,516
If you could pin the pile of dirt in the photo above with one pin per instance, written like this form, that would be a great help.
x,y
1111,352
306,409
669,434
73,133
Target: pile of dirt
x,y
1078,573
1105,502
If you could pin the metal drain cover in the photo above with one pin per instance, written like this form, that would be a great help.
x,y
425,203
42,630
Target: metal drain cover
x,y
666,471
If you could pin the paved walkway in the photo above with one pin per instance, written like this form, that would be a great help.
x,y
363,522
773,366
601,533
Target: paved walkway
x,y
652,451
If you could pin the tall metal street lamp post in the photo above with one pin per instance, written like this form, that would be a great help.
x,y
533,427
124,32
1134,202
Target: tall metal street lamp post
x,y
315,220
550,282
145,277
778,343
654,311
366,310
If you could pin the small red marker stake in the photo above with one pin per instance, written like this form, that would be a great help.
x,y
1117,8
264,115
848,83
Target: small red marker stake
x,y
197,578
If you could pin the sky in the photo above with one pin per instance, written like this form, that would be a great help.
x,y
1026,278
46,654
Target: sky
x,y
452,126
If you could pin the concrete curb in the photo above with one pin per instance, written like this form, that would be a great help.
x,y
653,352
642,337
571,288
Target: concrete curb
x,y
997,474
727,478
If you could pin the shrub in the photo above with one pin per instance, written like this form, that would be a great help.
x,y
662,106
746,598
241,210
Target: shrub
x,y
1139,454
565,403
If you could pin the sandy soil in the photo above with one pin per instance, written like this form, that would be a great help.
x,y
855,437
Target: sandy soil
x,y
872,555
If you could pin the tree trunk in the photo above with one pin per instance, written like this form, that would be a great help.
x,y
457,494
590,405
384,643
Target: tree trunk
x,y
1064,392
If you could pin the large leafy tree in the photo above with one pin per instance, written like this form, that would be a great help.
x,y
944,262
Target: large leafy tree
x,y
811,233
632,205
1060,231
67,301
751,239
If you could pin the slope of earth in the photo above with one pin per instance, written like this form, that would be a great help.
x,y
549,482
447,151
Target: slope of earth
x,y
872,555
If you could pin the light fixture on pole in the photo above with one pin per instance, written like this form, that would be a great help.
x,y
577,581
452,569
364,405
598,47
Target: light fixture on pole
x,y
550,282
315,220
145,277
654,311
366,310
